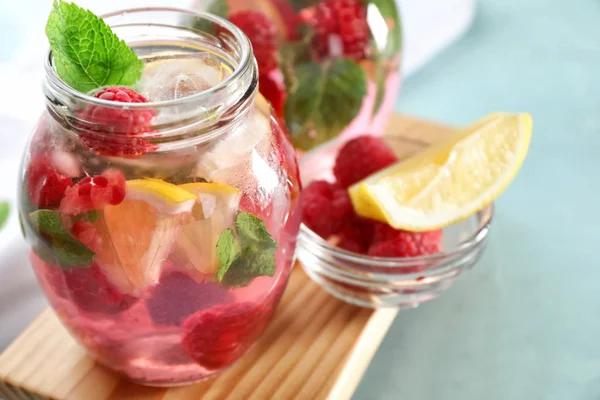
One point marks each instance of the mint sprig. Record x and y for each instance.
(327, 97)
(87, 54)
(248, 256)
(4, 211)
(68, 251)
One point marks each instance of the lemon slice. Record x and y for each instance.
(450, 181)
(215, 210)
(139, 233)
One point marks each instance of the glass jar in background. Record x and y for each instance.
(163, 233)
(329, 67)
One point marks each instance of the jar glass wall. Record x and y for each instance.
(163, 232)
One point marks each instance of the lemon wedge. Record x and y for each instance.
(449, 181)
(215, 210)
(139, 233)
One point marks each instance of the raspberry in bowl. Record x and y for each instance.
(383, 232)
(330, 68)
(159, 193)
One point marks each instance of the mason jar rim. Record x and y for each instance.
(245, 62)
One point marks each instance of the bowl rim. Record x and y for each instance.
(307, 239)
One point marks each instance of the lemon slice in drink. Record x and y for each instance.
(215, 210)
(139, 233)
(449, 181)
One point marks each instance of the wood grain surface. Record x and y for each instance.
(316, 346)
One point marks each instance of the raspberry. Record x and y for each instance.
(325, 207)
(89, 289)
(86, 233)
(118, 132)
(94, 193)
(272, 87)
(389, 242)
(177, 296)
(217, 337)
(341, 29)
(357, 235)
(361, 157)
(45, 184)
(262, 33)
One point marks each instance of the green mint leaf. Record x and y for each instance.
(219, 8)
(87, 54)
(47, 222)
(252, 256)
(72, 253)
(251, 229)
(68, 251)
(291, 54)
(228, 250)
(328, 96)
(4, 211)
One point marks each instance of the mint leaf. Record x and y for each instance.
(251, 229)
(228, 250)
(87, 54)
(72, 253)
(328, 96)
(68, 251)
(47, 222)
(4, 211)
(252, 256)
(219, 8)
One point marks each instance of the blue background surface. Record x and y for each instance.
(525, 324)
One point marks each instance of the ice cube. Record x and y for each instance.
(167, 78)
(235, 149)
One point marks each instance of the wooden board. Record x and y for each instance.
(316, 346)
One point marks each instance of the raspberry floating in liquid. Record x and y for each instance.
(94, 193)
(45, 184)
(89, 289)
(217, 337)
(118, 131)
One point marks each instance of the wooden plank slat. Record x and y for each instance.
(316, 346)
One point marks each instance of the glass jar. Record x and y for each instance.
(331, 68)
(163, 233)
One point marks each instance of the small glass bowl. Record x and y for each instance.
(377, 282)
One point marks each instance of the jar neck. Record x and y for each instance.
(156, 35)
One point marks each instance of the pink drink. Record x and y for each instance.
(339, 60)
(163, 232)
